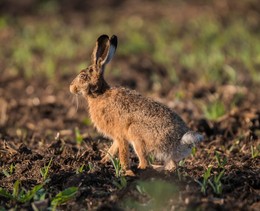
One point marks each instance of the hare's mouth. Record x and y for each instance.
(74, 89)
(78, 90)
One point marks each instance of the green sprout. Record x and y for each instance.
(204, 183)
(222, 161)
(79, 137)
(121, 183)
(84, 168)
(216, 184)
(90, 166)
(10, 172)
(117, 166)
(21, 195)
(81, 169)
(45, 171)
(151, 159)
(214, 110)
(193, 151)
(63, 197)
(255, 151)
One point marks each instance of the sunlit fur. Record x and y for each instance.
(127, 117)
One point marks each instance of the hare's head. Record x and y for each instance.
(90, 80)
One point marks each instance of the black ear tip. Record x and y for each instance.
(103, 37)
(113, 40)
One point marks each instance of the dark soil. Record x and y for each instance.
(38, 121)
(40, 125)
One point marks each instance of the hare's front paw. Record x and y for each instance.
(105, 159)
(129, 173)
(142, 165)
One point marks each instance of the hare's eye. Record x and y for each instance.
(90, 70)
(83, 76)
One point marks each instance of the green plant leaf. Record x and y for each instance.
(79, 137)
(30, 194)
(5, 193)
(16, 189)
(45, 170)
(64, 196)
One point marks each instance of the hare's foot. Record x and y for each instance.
(158, 167)
(170, 165)
(143, 165)
(129, 173)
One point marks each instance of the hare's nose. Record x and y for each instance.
(73, 89)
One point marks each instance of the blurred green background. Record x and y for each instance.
(200, 57)
(202, 41)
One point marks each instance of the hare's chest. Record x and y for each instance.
(105, 121)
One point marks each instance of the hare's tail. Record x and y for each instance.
(191, 137)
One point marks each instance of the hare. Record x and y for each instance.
(127, 117)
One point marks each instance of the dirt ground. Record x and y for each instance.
(38, 121)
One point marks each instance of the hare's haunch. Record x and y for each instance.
(127, 117)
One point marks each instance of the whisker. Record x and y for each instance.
(73, 100)
(77, 102)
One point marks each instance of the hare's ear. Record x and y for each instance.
(112, 48)
(101, 49)
(104, 50)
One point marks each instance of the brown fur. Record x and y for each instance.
(127, 117)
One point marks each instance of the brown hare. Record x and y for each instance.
(127, 117)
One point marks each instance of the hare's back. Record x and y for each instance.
(146, 110)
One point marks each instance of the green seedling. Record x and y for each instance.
(204, 183)
(151, 159)
(40, 195)
(193, 151)
(81, 169)
(22, 195)
(234, 146)
(31, 194)
(255, 151)
(87, 121)
(216, 184)
(214, 110)
(63, 197)
(121, 183)
(181, 162)
(90, 166)
(84, 168)
(222, 161)
(6, 194)
(16, 189)
(10, 172)
(117, 166)
(45, 171)
(79, 138)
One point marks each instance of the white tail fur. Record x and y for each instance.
(191, 137)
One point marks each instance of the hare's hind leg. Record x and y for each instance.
(139, 149)
(135, 138)
(111, 152)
